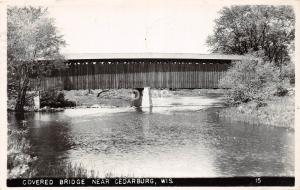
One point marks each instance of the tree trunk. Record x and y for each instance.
(21, 99)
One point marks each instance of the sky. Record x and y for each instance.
(133, 26)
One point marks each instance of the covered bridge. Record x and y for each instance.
(155, 70)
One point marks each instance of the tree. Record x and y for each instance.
(247, 29)
(31, 37)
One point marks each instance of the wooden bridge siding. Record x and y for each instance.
(137, 74)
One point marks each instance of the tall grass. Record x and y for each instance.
(68, 170)
(63, 170)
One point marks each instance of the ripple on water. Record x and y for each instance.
(177, 141)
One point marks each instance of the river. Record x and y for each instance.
(178, 137)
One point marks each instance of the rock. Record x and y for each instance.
(48, 109)
(240, 109)
(291, 91)
(96, 106)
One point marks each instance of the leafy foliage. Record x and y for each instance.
(247, 29)
(31, 36)
(254, 80)
(55, 99)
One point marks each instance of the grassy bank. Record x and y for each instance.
(279, 111)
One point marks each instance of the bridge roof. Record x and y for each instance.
(91, 56)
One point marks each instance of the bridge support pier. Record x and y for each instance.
(37, 101)
(143, 97)
(146, 98)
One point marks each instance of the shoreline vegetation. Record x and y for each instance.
(277, 111)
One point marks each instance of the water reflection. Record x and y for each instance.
(191, 141)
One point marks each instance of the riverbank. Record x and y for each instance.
(124, 97)
(101, 98)
(279, 112)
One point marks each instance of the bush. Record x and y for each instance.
(281, 91)
(254, 80)
(288, 72)
(55, 99)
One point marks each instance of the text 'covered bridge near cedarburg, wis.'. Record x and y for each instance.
(138, 71)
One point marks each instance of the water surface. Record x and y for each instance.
(184, 137)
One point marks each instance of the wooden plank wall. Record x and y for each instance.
(106, 74)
